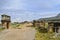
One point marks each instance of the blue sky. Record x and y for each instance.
(22, 10)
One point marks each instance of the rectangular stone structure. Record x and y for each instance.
(5, 20)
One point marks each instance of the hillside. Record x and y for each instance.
(56, 18)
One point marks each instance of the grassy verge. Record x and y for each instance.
(46, 36)
(1, 29)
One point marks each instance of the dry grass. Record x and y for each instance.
(46, 36)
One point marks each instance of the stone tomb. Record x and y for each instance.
(5, 20)
(54, 27)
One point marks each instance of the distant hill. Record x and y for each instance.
(56, 18)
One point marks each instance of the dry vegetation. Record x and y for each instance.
(46, 36)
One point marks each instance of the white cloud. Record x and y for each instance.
(30, 9)
(13, 4)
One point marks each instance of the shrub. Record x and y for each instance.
(42, 29)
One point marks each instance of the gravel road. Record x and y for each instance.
(26, 33)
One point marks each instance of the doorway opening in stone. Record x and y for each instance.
(56, 27)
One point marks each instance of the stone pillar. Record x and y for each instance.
(50, 28)
(4, 25)
(42, 24)
(46, 24)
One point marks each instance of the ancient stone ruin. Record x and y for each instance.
(5, 20)
(51, 26)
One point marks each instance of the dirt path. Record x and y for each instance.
(26, 33)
